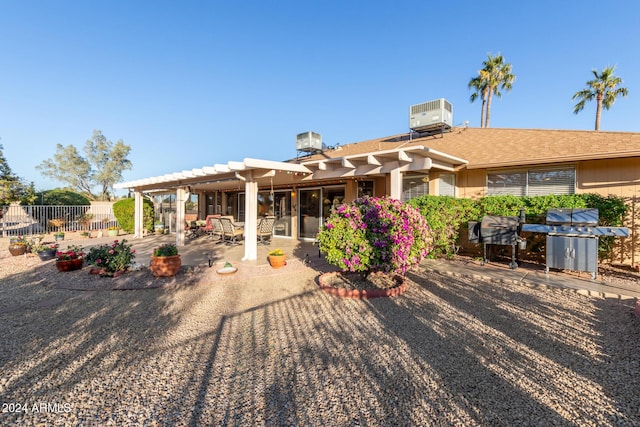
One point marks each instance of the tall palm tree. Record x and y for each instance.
(480, 90)
(495, 75)
(604, 89)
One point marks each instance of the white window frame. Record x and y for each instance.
(409, 193)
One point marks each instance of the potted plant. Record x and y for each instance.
(59, 224)
(112, 231)
(70, 259)
(85, 222)
(159, 228)
(46, 251)
(111, 260)
(165, 261)
(17, 246)
(277, 258)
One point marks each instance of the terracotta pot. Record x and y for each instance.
(47, 255)
(164, 266)
(277, 261)
(70, 265)
(17, 249)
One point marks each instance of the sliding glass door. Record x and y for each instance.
(316, 204)
(309, 217)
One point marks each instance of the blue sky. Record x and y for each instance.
(194, 83)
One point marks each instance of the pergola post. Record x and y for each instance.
(138, 218)
(395, 179)
(251, 217)
(181, 199)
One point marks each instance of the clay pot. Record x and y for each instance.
(69, 265)
(17, 249)
(277, 261)
(47, 255)
(165, 266)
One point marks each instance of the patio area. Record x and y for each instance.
(275, 350)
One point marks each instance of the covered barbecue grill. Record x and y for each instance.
(497, 230)
(572, 238)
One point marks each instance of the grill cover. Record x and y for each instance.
(499, 230)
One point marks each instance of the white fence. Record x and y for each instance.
(17, 220)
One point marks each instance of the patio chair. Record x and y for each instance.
(230, 232)
(208, 226)
(216, 230)
(265, 229)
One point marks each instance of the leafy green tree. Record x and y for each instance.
(102, 167)
(12, 188)
(61, 197)
(604, 89)
(495, 75)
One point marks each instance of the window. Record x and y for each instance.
(365, 188)
(414, 186)
(532, 182)
(447, 184)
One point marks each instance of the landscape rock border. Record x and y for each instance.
(357, 293)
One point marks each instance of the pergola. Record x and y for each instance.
(249, 172)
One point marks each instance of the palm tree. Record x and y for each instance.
(480, 90)
(604, 89)
(495, 75)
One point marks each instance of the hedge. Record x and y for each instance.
(446, 215)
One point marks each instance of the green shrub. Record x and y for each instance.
(124, 211)
(111, 258)
(168, 249)
(445, 215)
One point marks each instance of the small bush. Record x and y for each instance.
(124, 211)
(168, 249)
(111, 258)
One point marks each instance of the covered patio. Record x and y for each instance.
(247, 175)
(383, 168)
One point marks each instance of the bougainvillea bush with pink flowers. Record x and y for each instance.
(375, 234)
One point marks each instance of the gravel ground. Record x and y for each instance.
(271, 349)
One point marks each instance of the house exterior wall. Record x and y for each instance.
(621, 178)
(471, 184)
(618, 177)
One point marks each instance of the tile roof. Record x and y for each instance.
(500, 147)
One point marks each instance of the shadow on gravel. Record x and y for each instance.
(85, 350)
(618, 340)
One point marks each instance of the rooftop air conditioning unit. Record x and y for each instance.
(309, 142)
(432, 115)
